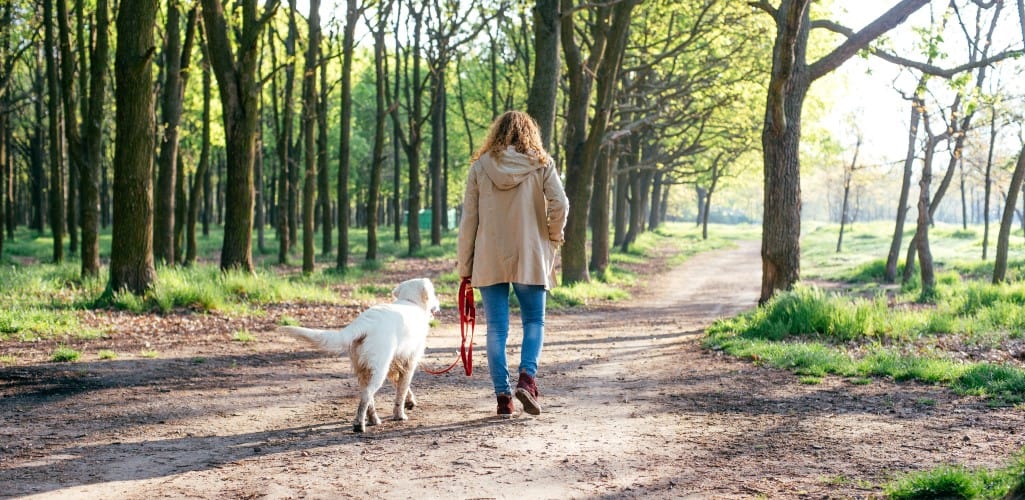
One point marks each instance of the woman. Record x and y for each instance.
(514, 212)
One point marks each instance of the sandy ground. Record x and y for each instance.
(634, 408)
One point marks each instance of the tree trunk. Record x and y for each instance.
(922, 232)
(309, 136)
(1007, 221)
(167, 162)
(847, 178)
(438, 113)
(620, 206)
(57, 220)
(323, 176)
(378, 158)
(582, 142)
(260, 195)
(600, 213)
(286, 222)
(202, 176)
(547, 67)
(988, 183)
(239, 91)
(656, 200)
(131, 257)
(890, 273)
(177, 55)
(345, 136)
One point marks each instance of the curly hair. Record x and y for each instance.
(516, 129)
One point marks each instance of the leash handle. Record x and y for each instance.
(467, 323)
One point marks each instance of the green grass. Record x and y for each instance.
(106, 354)
(65, 355)
(243, 336)
(45, 301)
(814, 334)
(951, 481)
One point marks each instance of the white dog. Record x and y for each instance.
(385, 341)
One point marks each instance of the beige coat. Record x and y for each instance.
(514, 213)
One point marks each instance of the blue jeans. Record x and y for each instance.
(532, 314)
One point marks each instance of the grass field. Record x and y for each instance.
(844, 321)
(43, 300)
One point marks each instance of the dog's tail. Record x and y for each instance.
(328, 340)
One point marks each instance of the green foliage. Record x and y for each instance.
(106, 354)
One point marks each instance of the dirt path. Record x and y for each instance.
(634, 408)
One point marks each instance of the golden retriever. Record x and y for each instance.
(385, 341)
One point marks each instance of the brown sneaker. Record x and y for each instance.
(526, 392)
(505, 405)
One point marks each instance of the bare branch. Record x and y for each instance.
(764, 5)
(861, 39)
(926, 68)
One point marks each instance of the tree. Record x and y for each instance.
(1017, 179)
(352, 13)
(86, 145)
(848, 177)
(131, 258)
(309, 134)
(177, 55)
(583, 137)
(547, 67)
(788, 86)
(378, 157)
(240, 93)
(56, 144)
(201, 177)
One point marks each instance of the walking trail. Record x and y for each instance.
(633, 407)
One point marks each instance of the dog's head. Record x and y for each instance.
(418, 291)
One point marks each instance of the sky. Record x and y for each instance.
(866, 88)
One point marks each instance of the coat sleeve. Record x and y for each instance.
(468, 226)
(558, 204)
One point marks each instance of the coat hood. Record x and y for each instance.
(510, 169)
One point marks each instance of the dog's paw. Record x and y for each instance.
(410, 404)
(400, 416)
(359, 428)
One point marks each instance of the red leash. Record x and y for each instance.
(467, 322)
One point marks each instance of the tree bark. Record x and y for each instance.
(848, 175)
(323, 176)
(345, 136)
(131, 258)
(177, 54)
(56, 193)
(600, 213)
(988, 182)
(240, 94)
(201, 179)
(1007, 221)
(583, 139)
(547, 68)
(378, 157)
(309, 136)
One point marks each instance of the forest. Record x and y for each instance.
(276, 118)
